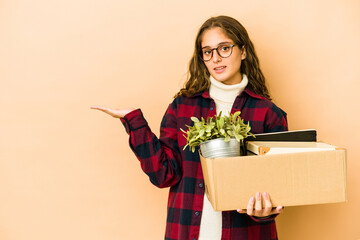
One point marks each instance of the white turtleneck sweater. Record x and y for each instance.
(224, 97)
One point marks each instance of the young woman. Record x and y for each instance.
(224, 75)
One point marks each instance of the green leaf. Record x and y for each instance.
(183, 130)
(198, 125)
(239, 137)
(208, 128)
(230, 133)
(194, 119)
(221, 122)
(236, 114)
(201, 132)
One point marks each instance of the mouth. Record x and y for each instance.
(219, 69)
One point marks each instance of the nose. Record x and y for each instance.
(216, 57)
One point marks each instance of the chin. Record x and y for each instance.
(221, 79)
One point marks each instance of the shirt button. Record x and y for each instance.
(194, 239)
(197, 213)
(201, 185)
(211, 108)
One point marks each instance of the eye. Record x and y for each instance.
(225, 48)
(206, 52)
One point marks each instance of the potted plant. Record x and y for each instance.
(218, 136)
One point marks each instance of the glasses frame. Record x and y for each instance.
(217, 50)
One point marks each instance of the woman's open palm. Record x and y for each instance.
(116, 113)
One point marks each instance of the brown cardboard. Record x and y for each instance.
(291, 179)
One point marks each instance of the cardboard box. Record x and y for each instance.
(291, 179)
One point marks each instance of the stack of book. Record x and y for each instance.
(307, 135)
(285, 142)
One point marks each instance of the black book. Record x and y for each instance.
(307, 135)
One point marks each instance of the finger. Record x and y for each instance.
(268, 204)
(277, 210)
(250, 206)
(99, 108)
(109, 111)
(241, 210)
(95, 107)
(258, 204)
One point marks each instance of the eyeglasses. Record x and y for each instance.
(223, 50)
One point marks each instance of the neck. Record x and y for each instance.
(224, 92)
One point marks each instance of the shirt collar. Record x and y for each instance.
(205, 94)
(252, 94)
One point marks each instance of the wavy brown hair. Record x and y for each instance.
(198, 74)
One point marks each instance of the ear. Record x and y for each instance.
(243, 53)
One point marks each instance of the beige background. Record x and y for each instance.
(66, 172)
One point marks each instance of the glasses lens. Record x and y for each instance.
(206, 54)
(224, 50)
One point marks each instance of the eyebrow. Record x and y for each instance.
(217, 45)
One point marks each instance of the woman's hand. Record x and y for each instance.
(116, 113)
(255, 208)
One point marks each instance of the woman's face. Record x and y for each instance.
(225, 70)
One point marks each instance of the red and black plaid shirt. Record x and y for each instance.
(168, 165)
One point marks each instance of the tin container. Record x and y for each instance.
(218, 148)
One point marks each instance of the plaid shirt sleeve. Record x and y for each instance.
(159, 158)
